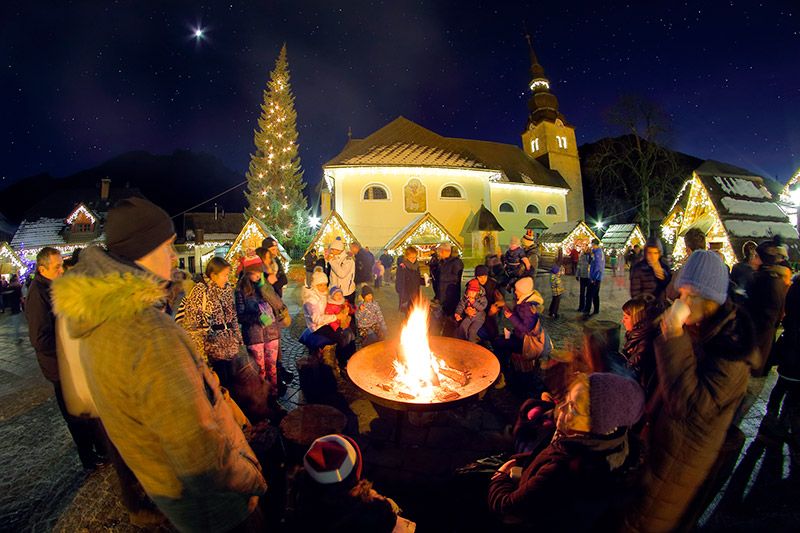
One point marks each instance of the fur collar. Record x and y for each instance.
(102, 288)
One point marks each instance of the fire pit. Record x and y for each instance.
(421, 373)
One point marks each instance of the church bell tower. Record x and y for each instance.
(550, 139)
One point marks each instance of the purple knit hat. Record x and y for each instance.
(614, 401)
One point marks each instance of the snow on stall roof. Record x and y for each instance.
(38, 233)
(749, 207)
(741, 187)
(760, 228)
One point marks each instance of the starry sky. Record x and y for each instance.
(82, 82)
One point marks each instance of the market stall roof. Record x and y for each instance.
(333, 226)
(38, 233)
(484, 220)
(535, 224)
(619, 236)
(253, 232)
(741, 203)
(424, 229)
(558, 232)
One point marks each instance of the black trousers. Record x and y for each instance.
(87, 433)
(224, 370)
(592, 298)
(583, 303)
(554, 304)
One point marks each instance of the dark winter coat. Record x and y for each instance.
(13, 298)
(644, 280)
(524, 318)
(331, 509)
(364, 261)
(310, 262)
(386, 261)
(42, 326)
(282, 279)
(640, 354)
(790, 343)
(765, 303)
(493, 295)
(449, 280)
(703, 377)
(741, 278)
(571, 485)
(407, 283)
(249, 309)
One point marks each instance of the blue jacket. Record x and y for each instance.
(598, 265)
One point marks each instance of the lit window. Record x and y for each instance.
(562, 141)
(532, 209)
(451, 191)
(506, 207)
(376, 192)
(535, 145)
(551, 210)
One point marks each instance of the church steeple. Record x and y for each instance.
(542, 105)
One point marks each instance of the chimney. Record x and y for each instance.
(215, 211)
(105, 188)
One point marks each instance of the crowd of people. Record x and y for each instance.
(176, 384)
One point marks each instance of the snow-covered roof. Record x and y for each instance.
(617, 235)
(39, 233)
(558, 232)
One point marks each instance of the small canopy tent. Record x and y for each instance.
(424, 233)
(731, 206)
(333, 226)
(622, 237)
(253, 232)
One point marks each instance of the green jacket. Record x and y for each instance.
(157, 399)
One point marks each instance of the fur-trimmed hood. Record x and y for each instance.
(101, 288)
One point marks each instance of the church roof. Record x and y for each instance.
(406, 143)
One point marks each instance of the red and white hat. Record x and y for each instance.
(252, 264)
(332, 459)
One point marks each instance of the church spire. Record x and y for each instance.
(543, 105)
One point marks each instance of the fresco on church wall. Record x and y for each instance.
(414, 196)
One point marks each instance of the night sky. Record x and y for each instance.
(85, 81)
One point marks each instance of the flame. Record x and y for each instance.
(417, 369)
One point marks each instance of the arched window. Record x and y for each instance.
(506, 207)
(452, 191)
(376, 192)
(551, 210)
(532, 209)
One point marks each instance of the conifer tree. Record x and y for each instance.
(274, 179)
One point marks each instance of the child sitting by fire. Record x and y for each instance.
(473, 304)
(336, 305)
(369, 318)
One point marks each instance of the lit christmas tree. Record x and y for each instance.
(274, 179)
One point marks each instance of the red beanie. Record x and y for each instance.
(253, 264)
(474, 285)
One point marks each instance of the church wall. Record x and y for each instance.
(521, 196)
(374, 222)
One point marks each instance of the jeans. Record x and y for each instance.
(583, 303)
(554, 304)
(592, 297)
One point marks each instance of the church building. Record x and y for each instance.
(381, 184)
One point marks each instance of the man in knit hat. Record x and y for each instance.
(703, 357)
(159, 402)
(577, 476)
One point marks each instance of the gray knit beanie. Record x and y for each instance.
(614, 401)
(706, 272)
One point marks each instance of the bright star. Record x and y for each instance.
(198, 33)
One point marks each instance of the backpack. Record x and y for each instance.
(536, 346)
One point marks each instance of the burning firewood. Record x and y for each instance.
(459, 376)
(384, 386)
(405, 396)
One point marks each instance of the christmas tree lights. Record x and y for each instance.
(274, 179)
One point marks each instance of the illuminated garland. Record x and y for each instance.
(7, 255)
(581, 232)
(698, 205)
(215, 244)
(249, 238)
(428, 227)
(81, 209)
(333, 227)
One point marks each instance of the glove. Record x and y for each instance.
(674, 318)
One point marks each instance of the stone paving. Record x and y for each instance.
(44, 488)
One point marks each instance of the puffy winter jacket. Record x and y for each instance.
(343, 271)
(160, 404)
(644, 280)
(314, 303)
